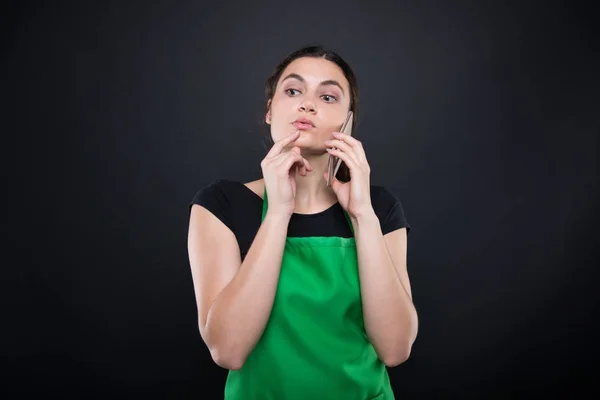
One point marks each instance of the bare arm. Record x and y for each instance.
(234, 299)
(390, 317)
(391, 320)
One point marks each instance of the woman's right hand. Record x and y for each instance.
(278, 168)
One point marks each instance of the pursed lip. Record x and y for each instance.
(304, 121)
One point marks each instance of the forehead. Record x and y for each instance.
(315, 70)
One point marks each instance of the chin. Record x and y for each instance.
(312, 133)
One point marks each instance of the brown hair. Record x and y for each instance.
(317, 51)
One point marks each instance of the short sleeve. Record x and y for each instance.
(213, 198)
(392, 212)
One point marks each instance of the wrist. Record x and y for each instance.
(278, 217)
(364, 216)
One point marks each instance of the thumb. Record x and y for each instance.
(335, 184)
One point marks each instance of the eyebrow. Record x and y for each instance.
(323, 83)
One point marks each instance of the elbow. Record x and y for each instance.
(225, 359)
(402, 352)
(221, 353)
(395, 360)
(398, 357)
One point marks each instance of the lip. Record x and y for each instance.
(303, 123)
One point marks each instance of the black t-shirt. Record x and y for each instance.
(240, 209)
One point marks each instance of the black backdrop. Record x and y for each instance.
(480, 116)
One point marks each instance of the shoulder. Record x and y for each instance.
(214, 190)
(227, 194)
(389, 209)
(226, 199)
(230, 185)
(257, 187)
(383, 198)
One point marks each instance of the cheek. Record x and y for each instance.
(283, 102)
(278, 107)
(336, 119)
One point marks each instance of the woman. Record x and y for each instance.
(302, 289)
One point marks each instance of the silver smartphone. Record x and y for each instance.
(335, 162)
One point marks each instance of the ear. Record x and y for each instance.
(268, 116)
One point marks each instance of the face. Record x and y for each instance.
(313, 89)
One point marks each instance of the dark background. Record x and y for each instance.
(481, 116)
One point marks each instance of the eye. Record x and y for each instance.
(288, 91)
(333, 98)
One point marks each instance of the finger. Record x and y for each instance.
(352, 142)
(345, 147)
(281, 143)
(305, 164)
(302, 169)
(289, 160)
(346, 138)
(335, 184)
(298, 167)
(293, 152)
(284, 158)
(344, 157)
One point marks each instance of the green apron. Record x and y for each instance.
(314, 346)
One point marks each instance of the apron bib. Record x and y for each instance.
(314, 346)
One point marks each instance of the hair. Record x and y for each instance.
(316, 51)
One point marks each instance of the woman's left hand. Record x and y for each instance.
(354, 196)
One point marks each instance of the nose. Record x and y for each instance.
(307, 106)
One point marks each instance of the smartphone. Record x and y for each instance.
(335, 162)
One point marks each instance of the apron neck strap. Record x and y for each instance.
(266, 206)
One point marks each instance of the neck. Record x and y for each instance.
(312, 193)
